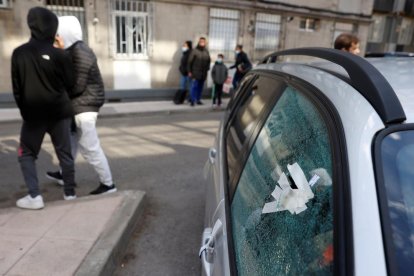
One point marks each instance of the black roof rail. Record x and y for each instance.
(364, 77)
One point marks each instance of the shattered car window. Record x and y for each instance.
(282, 210)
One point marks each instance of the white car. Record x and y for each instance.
(312, 171)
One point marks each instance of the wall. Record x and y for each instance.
(321, 37)
(99, 38)
(174, 24)
(13, 32)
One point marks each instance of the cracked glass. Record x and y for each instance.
(281, 242)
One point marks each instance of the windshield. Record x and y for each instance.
(396, 181)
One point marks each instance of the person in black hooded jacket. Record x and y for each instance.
(41, 78)
(185, 82)
(88, 95)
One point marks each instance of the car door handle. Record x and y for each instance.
(212, 153)
(207, 249)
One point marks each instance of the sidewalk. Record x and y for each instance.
(79, 237)
(127, 108)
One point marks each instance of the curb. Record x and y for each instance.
(104, 114)
(110, 111)
(107, 251)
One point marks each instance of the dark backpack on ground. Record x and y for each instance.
(180, 96)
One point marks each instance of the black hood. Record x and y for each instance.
(42, 23)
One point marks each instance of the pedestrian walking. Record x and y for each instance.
(41, 78)
(198, 66)
(88, 96)
(347, 42)
(219, 75)
(242, 65)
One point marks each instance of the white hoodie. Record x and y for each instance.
(70, 30)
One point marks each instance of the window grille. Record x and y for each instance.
(132, 25)
(224, 29)
(405, 35)
(267, 31)
(379, 29)
(308, 24)
(70, 7)
(3, 4)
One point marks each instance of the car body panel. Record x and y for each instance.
(216, 207)
(361, 123)
(401, 79)
(368, 248)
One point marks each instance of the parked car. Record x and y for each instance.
(312, 170)
(389, 54)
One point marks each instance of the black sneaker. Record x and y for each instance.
(55, 176)
(103, 189)
(69, 194)
(200, 103)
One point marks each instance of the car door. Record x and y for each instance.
(287, 203)
(246, 112)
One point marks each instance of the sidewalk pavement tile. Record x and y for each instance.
(85, 221)
(51, 257)
(54, 240)
(34, 223)
(12, 249)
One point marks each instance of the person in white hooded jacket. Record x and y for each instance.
(88, 96)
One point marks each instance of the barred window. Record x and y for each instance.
(132, 26)
(308, 24)
(405, 36)
(267, 31)
(3, 4)
(70, 7)
(224, 28)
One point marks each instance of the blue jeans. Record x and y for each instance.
(236, 79)
(196, 90)
(185, 83)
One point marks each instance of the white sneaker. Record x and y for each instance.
(69, 197)
(29, 202)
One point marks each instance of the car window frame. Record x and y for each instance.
(343, 228)
(256, 128)
(388, 240)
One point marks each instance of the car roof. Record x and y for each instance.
(398, 71)
(372, 81)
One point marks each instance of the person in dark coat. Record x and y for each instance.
(198, 66)
(219, 76)
(242, 65)
(88, 96)
(42, 76)
(185, 82)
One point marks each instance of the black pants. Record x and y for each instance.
(31, 138)
(218, 91)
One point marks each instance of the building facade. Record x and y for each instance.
(392, 28)
(138, 43)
